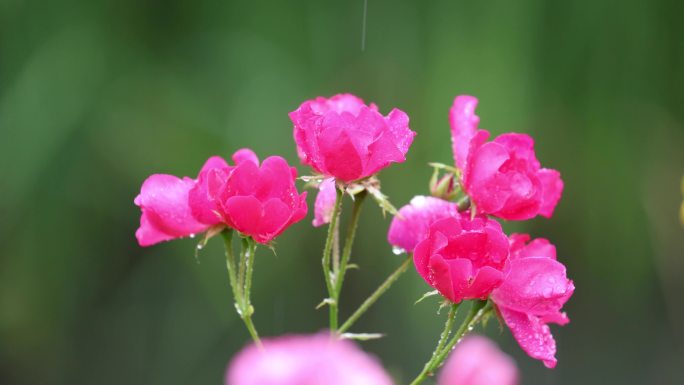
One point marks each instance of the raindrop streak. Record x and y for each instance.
(363, 26)
(396, 250)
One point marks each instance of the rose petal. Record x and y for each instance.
(552, 187)
(537, 286)
(164, 202)
(532, 334)
(464, 124)
(412, 225)
(325, 202)
(245, 155)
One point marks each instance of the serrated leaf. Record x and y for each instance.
(382, 200)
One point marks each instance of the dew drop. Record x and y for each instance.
(396, 250)
(192, 235)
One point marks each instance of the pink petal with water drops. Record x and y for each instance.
(325, 202)
(532, 334)
(166, 214)
(412, 225)
(464, 124)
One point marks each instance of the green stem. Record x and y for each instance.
(227, 235)
(478, 309)
(248, 249)
(241, 272)
(376, 294)
(477, 312)
(451, 318)
(241, 285)
(448, 325)
(247, 319)
(329, 241)
(346, 253)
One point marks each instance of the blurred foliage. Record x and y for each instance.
(96, 95)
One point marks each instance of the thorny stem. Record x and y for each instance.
(346, 252)
(241, 285)
(451, 318)
(248, 249)
(477, 311)
(448, 325)
(376, 294)
(329, 244)
(227, 235)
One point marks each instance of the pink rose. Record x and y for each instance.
(463, 258)
(412, 225)
(325, 202)
(478, 361)
(305, 360)
(342, 137)
(532, 294)
(259, 201)
(502, 177)
(166, 213)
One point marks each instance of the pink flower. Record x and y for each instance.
(478, 361)
(463, 258)
(325, 202)
(412, 225)
(502, 177)
(343, 138)
(532, 294)
(305, 360)
(166, 213)
(259, 201)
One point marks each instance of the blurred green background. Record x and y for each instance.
(96, 95)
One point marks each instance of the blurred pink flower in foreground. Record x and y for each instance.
(478, 361)
(260, 201)
(325, 202)
(346, 139)
(305, 360)
(412, 225)
(463, 258)
(532, 294)
(502, 177)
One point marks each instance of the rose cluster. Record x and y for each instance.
(457, 244)
(466, 255)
